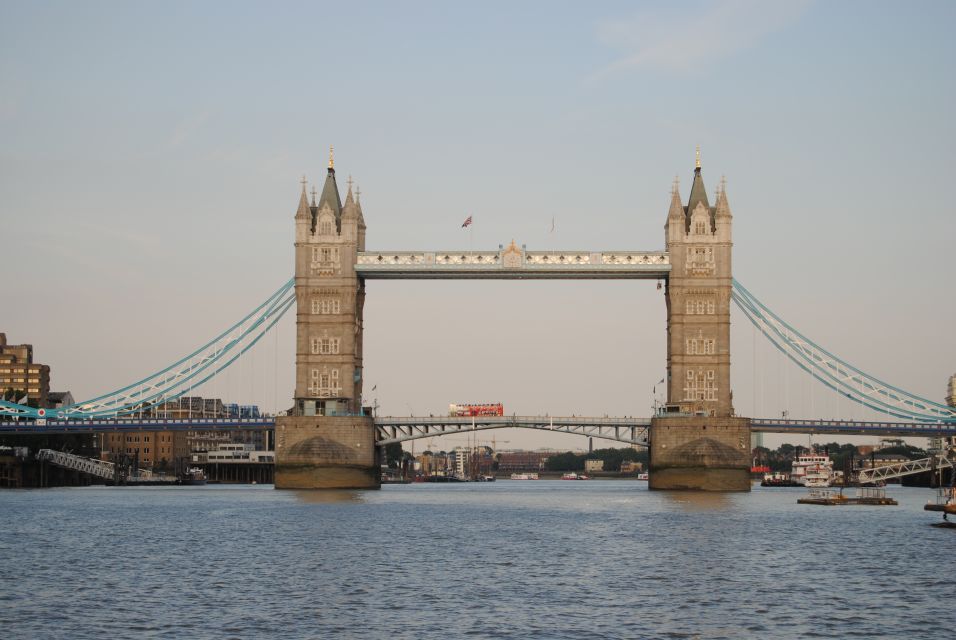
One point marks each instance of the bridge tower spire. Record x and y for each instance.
(327, 441)
(701, 444)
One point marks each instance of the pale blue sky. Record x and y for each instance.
(151, 151)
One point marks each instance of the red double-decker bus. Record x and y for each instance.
(464, 410)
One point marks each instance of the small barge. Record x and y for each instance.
(778, 480)
(865, 495)
(945, 502)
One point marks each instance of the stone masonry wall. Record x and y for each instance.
(700, 453)
(317, 452)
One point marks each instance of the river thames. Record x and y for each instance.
(545, 559)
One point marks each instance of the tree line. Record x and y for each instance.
(570, 461)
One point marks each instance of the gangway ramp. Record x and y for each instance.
(901, 469)
(98, 468)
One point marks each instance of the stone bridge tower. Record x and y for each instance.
(328, 441)
(698, 443)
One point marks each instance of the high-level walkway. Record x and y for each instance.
(525, 265)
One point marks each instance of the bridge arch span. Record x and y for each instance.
(395, 429)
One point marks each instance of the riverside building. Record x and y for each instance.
(21, 375)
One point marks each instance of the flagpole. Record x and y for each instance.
(552, 236)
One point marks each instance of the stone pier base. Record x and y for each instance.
(700, 454)
(319, 452)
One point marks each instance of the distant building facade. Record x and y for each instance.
(153, 449)
(57, 399)
(28, 380)
(161, 449)
(631, 466)
(516, 461)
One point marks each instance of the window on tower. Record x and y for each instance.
(701, 385)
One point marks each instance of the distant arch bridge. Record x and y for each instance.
(391, 429)
(401, 429)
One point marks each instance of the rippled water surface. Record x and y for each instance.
(545, 559)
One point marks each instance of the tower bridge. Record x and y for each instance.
(329, 440)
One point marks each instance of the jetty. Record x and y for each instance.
(865, 495)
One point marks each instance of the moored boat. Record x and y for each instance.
(524, 476)
(571, 475)
(812, 470)
(194, 476)
(778, 480)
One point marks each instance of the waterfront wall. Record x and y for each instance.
(326, 452)
(700, 453)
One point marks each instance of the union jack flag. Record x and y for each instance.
(466, 222)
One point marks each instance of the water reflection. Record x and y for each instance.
(329, 496)
(694, 501)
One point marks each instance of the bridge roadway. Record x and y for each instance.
(399, 429)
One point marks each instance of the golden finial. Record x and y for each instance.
(331, 157)
(698, 156)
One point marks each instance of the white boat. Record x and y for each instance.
(642, 476)
(574, 476)
(812, 470)
(524, 476)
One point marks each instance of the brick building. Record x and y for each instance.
(20, 374)
(510, 461)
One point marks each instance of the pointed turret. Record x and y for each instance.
(349, 210)
(303, 212)
(698, 193)
(361, 219)
(330, 191)
(677, 209)
(350, 219)
(722, 216)
(358, 206)
(698, 201)
(722, 207)
(330, 195)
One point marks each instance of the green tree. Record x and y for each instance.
(567, 461)
(393, 455)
